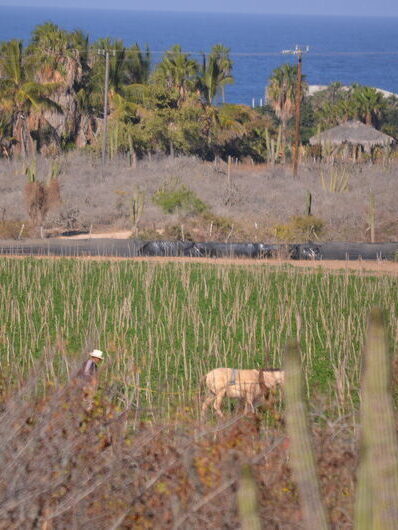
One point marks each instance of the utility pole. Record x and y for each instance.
(299, 52)
(106, 89)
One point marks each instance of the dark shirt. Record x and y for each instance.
(89, 370)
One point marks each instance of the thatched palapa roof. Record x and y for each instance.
(354, 133)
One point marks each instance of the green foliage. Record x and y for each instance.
(177, 71)
(216, 72)
(203, 311)
(337, 104)
(300, 228)
(55, 169)
(138, 65)
(31, 171)
(308, 123)
(168, 110)
(369, 104)
(281, 91)
(179, 199)
(389, 124)
(215, 317)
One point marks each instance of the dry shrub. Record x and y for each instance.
(300, 228)
(14, 229)
(64, 467)
(37, 201)
(202, 228)
(53, 193)
(40, 198)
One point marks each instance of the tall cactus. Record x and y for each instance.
(302, 457)
(372, 217)
(137, 208)
(377, 491)
(273, 147)
(247, 501)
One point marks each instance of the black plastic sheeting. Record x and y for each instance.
(134, 248)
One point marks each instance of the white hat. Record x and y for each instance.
(98, 354)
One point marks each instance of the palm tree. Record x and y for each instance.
(53, 49)
(216, 72)
(369, 104)
(345, 109)
(178, 71)
(117, 63)
(56, 55)
(21, 97)
(281, 93)
(138, 65)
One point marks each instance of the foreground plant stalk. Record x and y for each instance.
(301, 453)
(247, 501)
(377, 490)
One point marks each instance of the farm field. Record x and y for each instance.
(163, 325)
(141, 457)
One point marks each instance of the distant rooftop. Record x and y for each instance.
(354, 133)
(313, 89)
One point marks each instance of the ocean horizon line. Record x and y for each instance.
(207, 13)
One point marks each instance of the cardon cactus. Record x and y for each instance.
(247, 501)
(301, 453)
(377, 489)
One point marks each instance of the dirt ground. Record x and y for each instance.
(124, 234)
(360, 266)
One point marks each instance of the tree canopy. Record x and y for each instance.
(52, 98)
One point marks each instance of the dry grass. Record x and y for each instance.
(255, 200)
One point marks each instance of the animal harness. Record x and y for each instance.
(233, 378)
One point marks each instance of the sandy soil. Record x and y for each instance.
(125, 234)
(366, 267)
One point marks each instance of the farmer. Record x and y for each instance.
(88, 374)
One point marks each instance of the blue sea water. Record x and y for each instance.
(347, 49)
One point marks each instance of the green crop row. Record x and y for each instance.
(163, 325)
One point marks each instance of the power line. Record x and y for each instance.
(232, 54)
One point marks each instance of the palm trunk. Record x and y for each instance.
(283, 140)
(20, 134)
(368, 119)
